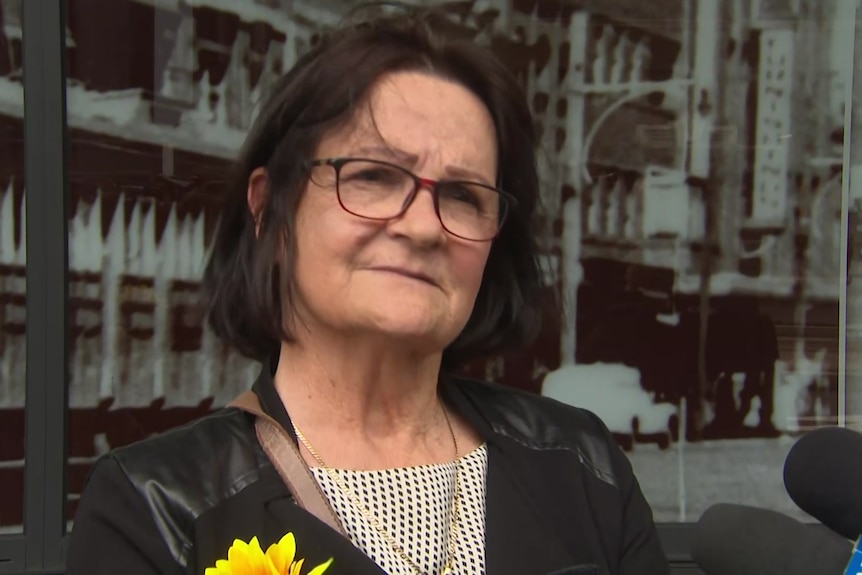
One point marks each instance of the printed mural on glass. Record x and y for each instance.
(691, 162)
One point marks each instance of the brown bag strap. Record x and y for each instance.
(285, 456)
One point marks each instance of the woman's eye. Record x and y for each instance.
(462, 194)
(374, 175)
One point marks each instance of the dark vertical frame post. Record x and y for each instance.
(45, 147)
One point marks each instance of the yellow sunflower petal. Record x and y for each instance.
(237, 555)
(248, 558)
(321, 568)
(296, 568)
(281, 554)
(260, 562)
(222, 567)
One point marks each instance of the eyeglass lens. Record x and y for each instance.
(380, 191)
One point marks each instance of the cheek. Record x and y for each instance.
(469, 269)
(327, 247)
(312, 249)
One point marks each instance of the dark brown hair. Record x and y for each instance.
(247, 280)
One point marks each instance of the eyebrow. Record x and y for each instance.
(395, 155)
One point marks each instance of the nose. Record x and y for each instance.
(419, 221)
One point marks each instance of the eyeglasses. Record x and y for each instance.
(378, 190)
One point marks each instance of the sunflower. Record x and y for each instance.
(249, 559)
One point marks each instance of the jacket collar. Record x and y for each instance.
(270, 401)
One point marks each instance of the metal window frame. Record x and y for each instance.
(40, 548)
(12, 553)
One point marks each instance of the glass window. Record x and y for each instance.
(156, 109)
(12, 270)
(691, 160)
(692, 157)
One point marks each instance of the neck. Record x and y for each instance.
(360, 386)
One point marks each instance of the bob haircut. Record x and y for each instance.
(247, 287)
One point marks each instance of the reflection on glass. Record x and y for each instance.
(691, 161)
(12, 270)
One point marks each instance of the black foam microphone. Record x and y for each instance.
(823, 476)
(741, 540)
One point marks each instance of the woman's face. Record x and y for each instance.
(357, 276)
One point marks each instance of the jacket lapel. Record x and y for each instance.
(315, 541)
(527, 529)
(529, 526)
(266, 510)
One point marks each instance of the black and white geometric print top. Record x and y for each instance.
(414, 505)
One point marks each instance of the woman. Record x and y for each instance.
(378, 235)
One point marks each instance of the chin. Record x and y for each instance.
(412, 324)
(420, 328)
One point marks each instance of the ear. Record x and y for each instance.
(256, 196)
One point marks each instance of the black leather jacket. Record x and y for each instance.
(561, 496)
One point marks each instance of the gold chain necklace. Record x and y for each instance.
(370, 518)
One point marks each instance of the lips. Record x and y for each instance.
(407, 273)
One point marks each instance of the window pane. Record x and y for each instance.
(12, 270)
(692, 160)
(155, 114)
(655, 119)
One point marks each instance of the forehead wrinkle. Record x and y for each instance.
(444, 141)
